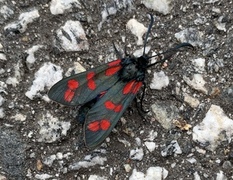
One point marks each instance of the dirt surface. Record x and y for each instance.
(22, 156)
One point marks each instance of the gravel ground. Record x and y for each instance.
(188, 130)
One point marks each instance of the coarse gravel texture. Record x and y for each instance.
(25, 152)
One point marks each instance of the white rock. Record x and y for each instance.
(43, 176)
(165, 114)
(113, 8)
(125, 142)
(96, 177)
(137, 29)
(219, 25)
(200, 150)
(216, 10)
(159, 81)
(210, 129)
(152, 173)
(156, 173)
(71, 37)
(2, 100)
(151, 136)
(192, 160)
(191, 35)
(2, 71)
(3, 87)
(139, 52)
(30, 134)
(31, 58)
(221, 176)
(49, 160)
(59, 155)
(46, 76)
(19, 117)
(150, 146)
(173, 147)
(6, 12)
(199, 64)
(137, 175)
(76, 68)
(12, 81)
(88, 161)
(196, 176)
(173, 165)
(2, 177)
(136, 154)
(138, 141)
(211, 1)
(2, 114)
(193, 102)
(105, 13)
(51, 129)
(60, 6)
(108, 139)
(127, 167)
(197, 83)
(162, 6)
(200, 20)
(2, 55)
(23, 21)
(67, 155)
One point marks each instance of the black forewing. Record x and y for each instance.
(82, 93)
(99, 112)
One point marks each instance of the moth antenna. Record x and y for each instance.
(148, 32)
(171, 51)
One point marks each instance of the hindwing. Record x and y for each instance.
(104, 115)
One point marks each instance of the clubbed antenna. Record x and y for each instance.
(169, 53)
(148, 32)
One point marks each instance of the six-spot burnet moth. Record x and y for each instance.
(106, 91)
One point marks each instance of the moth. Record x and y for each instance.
(105, 92)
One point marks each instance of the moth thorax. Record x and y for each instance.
(128, 72)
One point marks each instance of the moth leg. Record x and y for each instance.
(140, 112)
(118, 53)
(142, 97)
(139, 103)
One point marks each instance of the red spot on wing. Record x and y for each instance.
(118, 108)
(103, 124)
(90, 82)
(72, 84)
(128, 87)
(90, 75)
(132, 87)
(69, 93)
(112, 70)
(114, 63)
(137, 86)
(94, 126)
(110, 105)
